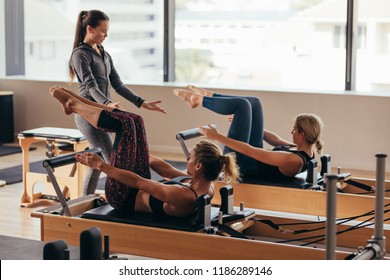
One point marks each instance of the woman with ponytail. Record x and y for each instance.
(247, 134)
(128, 185)
(94, 69)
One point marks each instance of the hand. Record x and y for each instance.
(230, 118)
(90, 159)
(209, 132)
(152, 105)
(115, 105)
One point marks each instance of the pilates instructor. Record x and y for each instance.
(95, 72)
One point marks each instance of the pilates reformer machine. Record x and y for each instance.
(223, 232)
(305, 194)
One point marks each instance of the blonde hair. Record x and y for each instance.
(214, 162)
(311, 125)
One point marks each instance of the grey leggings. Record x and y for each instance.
(247, 125)
(96, 139)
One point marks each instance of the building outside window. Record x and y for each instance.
(135, 38)
(373, 54)
(290, 44)
(265, 44)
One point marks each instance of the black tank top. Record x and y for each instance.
(266, 171)
(157, 206)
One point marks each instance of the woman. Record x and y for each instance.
(128, 186)
(246, 135)
(96, 73)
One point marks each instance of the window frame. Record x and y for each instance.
(15, 7)
(14, 37)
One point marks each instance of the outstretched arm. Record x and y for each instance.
(153, 106)
(128, 94)
(276, 158)
(164, 169)
(275, 140)
(166, 193)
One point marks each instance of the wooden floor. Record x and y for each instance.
(16, 221)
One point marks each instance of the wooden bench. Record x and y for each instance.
(54, 138)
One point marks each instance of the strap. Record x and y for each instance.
(177, 180)
(232, 232)
(359, 185)
(274, 226)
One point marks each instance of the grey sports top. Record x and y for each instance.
(96, 73)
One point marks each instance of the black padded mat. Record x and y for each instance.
(6, 150)
(14, 174)
(15, 248)
(107, 213)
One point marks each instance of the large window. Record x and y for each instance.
(373, 54)
(265, 44)
(135, 38)
(277, 44)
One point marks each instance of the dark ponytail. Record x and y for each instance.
(85, 18)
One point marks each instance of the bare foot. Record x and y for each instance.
(200, 91)
(63, 98)
(192, 99)
(71, 93)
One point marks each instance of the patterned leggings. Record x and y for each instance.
(130, 152)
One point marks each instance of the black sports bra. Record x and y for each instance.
(157, 206)
(305, 158)
(271, 172)
(303, 155)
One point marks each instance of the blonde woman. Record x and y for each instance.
(246, 135)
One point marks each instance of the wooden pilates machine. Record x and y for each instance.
(36, 186)
(355, 196)
(306, 194)
(250, 236)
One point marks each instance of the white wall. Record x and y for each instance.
(356, 127)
